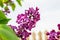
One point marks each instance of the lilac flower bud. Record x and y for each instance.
(58, 26)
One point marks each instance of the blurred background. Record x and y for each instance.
(49, 14)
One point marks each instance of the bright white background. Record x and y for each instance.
(49, 13)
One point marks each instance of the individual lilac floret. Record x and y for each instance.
(13, 27)
(58, 26)
(21, 18)
(26, 22)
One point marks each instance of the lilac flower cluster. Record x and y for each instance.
(26, 22)
(54, 35)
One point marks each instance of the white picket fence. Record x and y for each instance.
(39, 34)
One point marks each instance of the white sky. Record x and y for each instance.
(49, 13)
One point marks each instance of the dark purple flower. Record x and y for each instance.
(25, 34)
(47, 33)
(52, 35)
(26, 22)
(58, 33)
(33, 14)
(13, 27)
(58, 26)
(21, 18)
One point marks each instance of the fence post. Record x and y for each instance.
(33, 36)
(46, 37)
(39, 35)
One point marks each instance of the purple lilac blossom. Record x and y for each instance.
(54, 35)
(26, 22)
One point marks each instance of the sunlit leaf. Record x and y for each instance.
(6, 33)
(3, 18)
(2, 15)
(6, 27)
(5, 1)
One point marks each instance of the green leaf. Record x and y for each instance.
(6, 33)
(4, 21)
(5, 1)
(2, 15)
(12, 6)
(19, 2)
(1, 3)
(3, 18)
(6, 8)
(4, 26)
